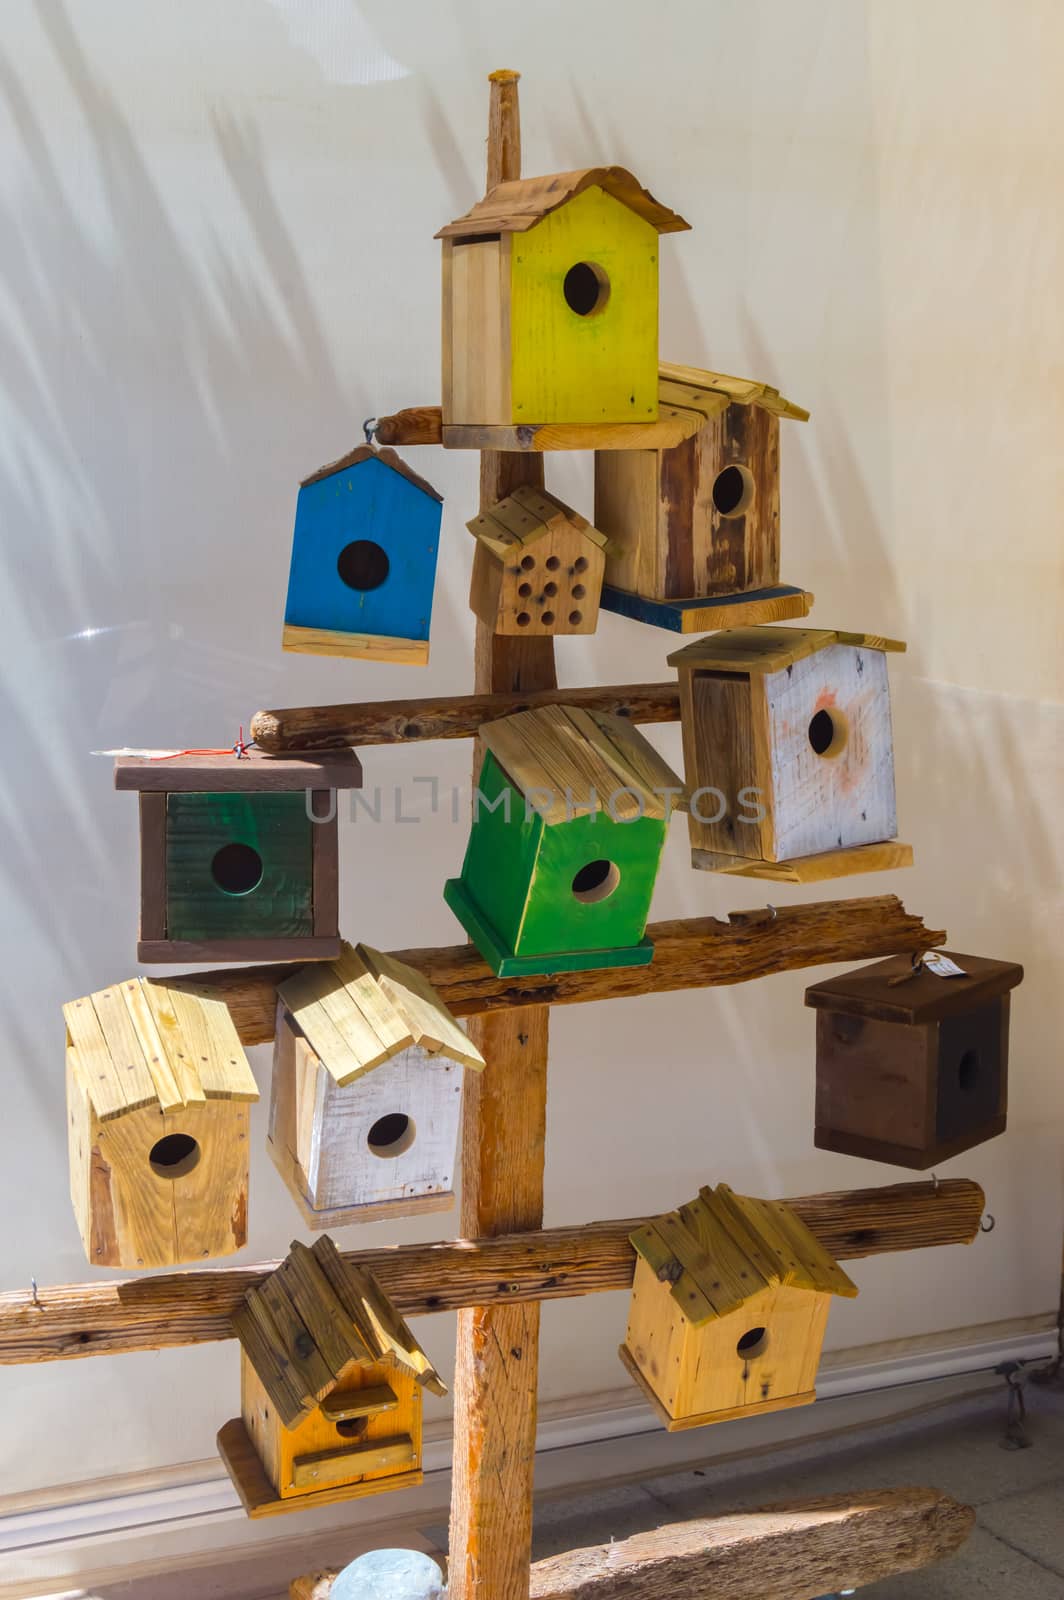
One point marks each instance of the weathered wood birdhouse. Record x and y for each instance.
(569, 824)
(158, 1089)
(330, 1380)
(912, 1068)
(788, 753)
(694, 527)
(729, 1306)
(550, 302)
(367, 1090)
(538, 567)
(238, 855)
(363, 567)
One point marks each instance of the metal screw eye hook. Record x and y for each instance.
(772, 913)
(36, 1296)
(987, 1224)
(934, 1184)
(369, 428)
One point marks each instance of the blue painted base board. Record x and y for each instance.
(702, 615)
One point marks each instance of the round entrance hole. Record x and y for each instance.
(827, 732)
(237, 868)
(596, 882)
(586, 288)
(391, 1135)
(174, 1155)
(351, 1427)
(752, 1343)
(968, 1071)
(733, 490)
(363, 565)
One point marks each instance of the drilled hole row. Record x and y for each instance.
(550, 590)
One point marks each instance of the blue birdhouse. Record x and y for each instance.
(364, 561)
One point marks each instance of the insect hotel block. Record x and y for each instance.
(538, 567)
(694, 527)
(912, 1068)
(158, 1089)
(729, 1306)
(569, 824)
(788, 753)
(238, 855)
(550, 302)
(367, 1090)
(364, 561)
(330, 1388)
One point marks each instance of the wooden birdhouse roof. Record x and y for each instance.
(721, 1249)
(307, 1325)
(369, 452)
(150, 1042)
(525, 516)
(519, 203)
(768, 649)
(256, 772)
(584, 760)
(707, 394)
(363, 1008)
(890, 991)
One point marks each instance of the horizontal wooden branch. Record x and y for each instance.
(804, 1547)
(181, 1308)
(457, 716)
(691, 953)
(415, 425)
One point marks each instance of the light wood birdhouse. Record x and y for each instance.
(367, 1090)
(537, 569)
(911, 1067)
(331, 1381)
(238, 855)
(729, 1306)
(789, 753)
(550, 302)
(158, 1089)
(694, 526)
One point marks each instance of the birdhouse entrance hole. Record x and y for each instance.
(752, 1344)
(586, 288)
(237, 868)
(827, 732)
(596, 882)
(391, 1135)
(174, 1155)
(733, 490)
(363, 565)
(351, 1427)
(968, 1071)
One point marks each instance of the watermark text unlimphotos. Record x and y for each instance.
(431, 799)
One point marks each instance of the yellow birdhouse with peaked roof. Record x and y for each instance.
(729, 1306)
(550, 302)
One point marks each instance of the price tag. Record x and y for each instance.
(942, 966)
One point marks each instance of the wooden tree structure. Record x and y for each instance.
(506, 1263)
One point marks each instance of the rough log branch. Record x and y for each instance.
(693, 953)
(445, 717)
(779, 1552)
(414, 425)
(180, 1308)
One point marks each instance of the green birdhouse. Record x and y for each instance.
(239, 854)
(569, 824)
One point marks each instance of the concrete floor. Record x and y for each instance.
(1016, 1551)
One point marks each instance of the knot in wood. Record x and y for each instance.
(670, 1271)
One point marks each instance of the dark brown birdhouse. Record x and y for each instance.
(911, 1070)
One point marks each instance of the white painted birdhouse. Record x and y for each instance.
(367, 1090)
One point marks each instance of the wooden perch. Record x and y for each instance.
(171, 1309)
(445, 717)
(805, 1547)
(695, 952)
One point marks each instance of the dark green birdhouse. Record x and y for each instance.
(239, 854)
(569, 824)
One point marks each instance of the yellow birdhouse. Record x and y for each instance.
(729, 1306)
(157, 1109)
(550, 302)
(331, 1381)
(538, 567)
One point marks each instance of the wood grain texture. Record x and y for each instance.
(197, 1307)
(257, 1494)
(780, 603)
(447, 717)
(889, 856)
(414, 425)
(803, 1547)
(257, 772)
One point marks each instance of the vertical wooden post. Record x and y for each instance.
(503, 1140)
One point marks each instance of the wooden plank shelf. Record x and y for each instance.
(316, 728)
(167, 1310)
